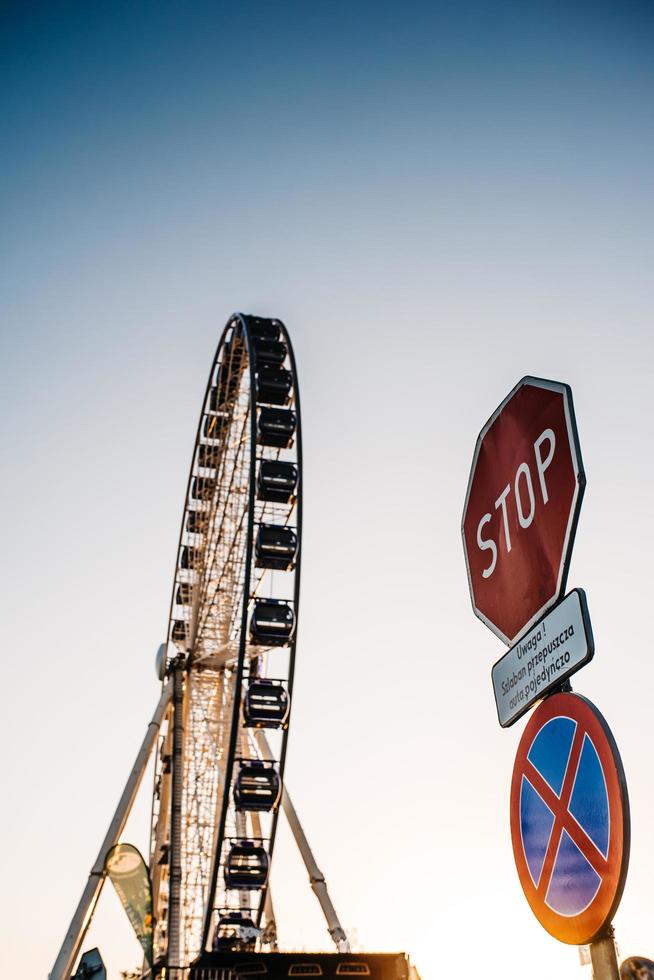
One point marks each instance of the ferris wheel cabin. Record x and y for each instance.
(277, 481)
(235, 931)
(257, 786)
(266, 704)
(246, 866)
(276, 427)
(275, 547)
(272, 623)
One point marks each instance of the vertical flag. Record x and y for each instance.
(130, 877)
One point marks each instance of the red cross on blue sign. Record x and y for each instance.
(570, 819)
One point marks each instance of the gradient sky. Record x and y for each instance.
(437, 199)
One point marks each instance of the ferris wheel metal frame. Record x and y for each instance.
(228, 624)
(212, 828)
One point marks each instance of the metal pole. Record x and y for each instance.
(603, 957)
(175, 888)
(69, 951)
(316, 877)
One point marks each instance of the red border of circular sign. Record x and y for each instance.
(591, 923)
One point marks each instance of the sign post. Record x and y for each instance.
(604, 958)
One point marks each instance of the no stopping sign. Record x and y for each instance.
(570, 819)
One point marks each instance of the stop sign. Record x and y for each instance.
(522, 506)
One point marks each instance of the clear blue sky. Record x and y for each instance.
(437, 199)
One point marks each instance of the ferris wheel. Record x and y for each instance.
(232, 627)
(221, 724)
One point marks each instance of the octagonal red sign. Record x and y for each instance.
(522, 506)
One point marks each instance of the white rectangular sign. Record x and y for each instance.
(557, 646)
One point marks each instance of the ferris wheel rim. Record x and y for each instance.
(281, 763)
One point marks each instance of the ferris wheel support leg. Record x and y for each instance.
(316, 877)
(81, 920)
